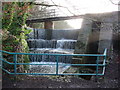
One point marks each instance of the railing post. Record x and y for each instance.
(104, 63)
(15, 62)
(1, 67)
(105, 51)
(56, 65)
(97, 62)
(1, 60)
(15, 67)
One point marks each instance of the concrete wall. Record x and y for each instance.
(94, 41)
(105, 40)
(105, 34)
(83, 36)
(82, 41)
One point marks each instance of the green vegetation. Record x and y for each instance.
(13, 28)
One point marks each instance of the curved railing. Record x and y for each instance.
(15, 63)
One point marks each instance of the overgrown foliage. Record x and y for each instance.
(13, 27)
(13, 20)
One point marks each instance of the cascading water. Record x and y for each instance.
(65, 44)
(38, 44)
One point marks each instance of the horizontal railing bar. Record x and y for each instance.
(7, 71)
(55, 64)
(6, 61)
(53, 54)
(53, 74)
(103, 70)
(79, 74)
(88, 64)
(63, 64)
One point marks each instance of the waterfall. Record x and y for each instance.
(66, 44)
(62, 46)
(38, 44)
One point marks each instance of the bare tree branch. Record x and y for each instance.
(47, 5)
(63, 7)
(113, 2)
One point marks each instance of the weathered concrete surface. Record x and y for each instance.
(106, 32)
(83, 37)
(109, 17)
(48, 25)
(116, 38)
(109, 21)
(82, 41)
(105, 40)
(94, 41)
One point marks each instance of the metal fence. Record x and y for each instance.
(15, 63)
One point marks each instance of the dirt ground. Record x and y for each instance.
(109, 80)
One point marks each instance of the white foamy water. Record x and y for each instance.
(65, 43)
(58, 50)
(50, 69)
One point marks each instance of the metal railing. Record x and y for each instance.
(15, 63)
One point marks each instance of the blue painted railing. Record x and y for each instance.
(57, 64)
